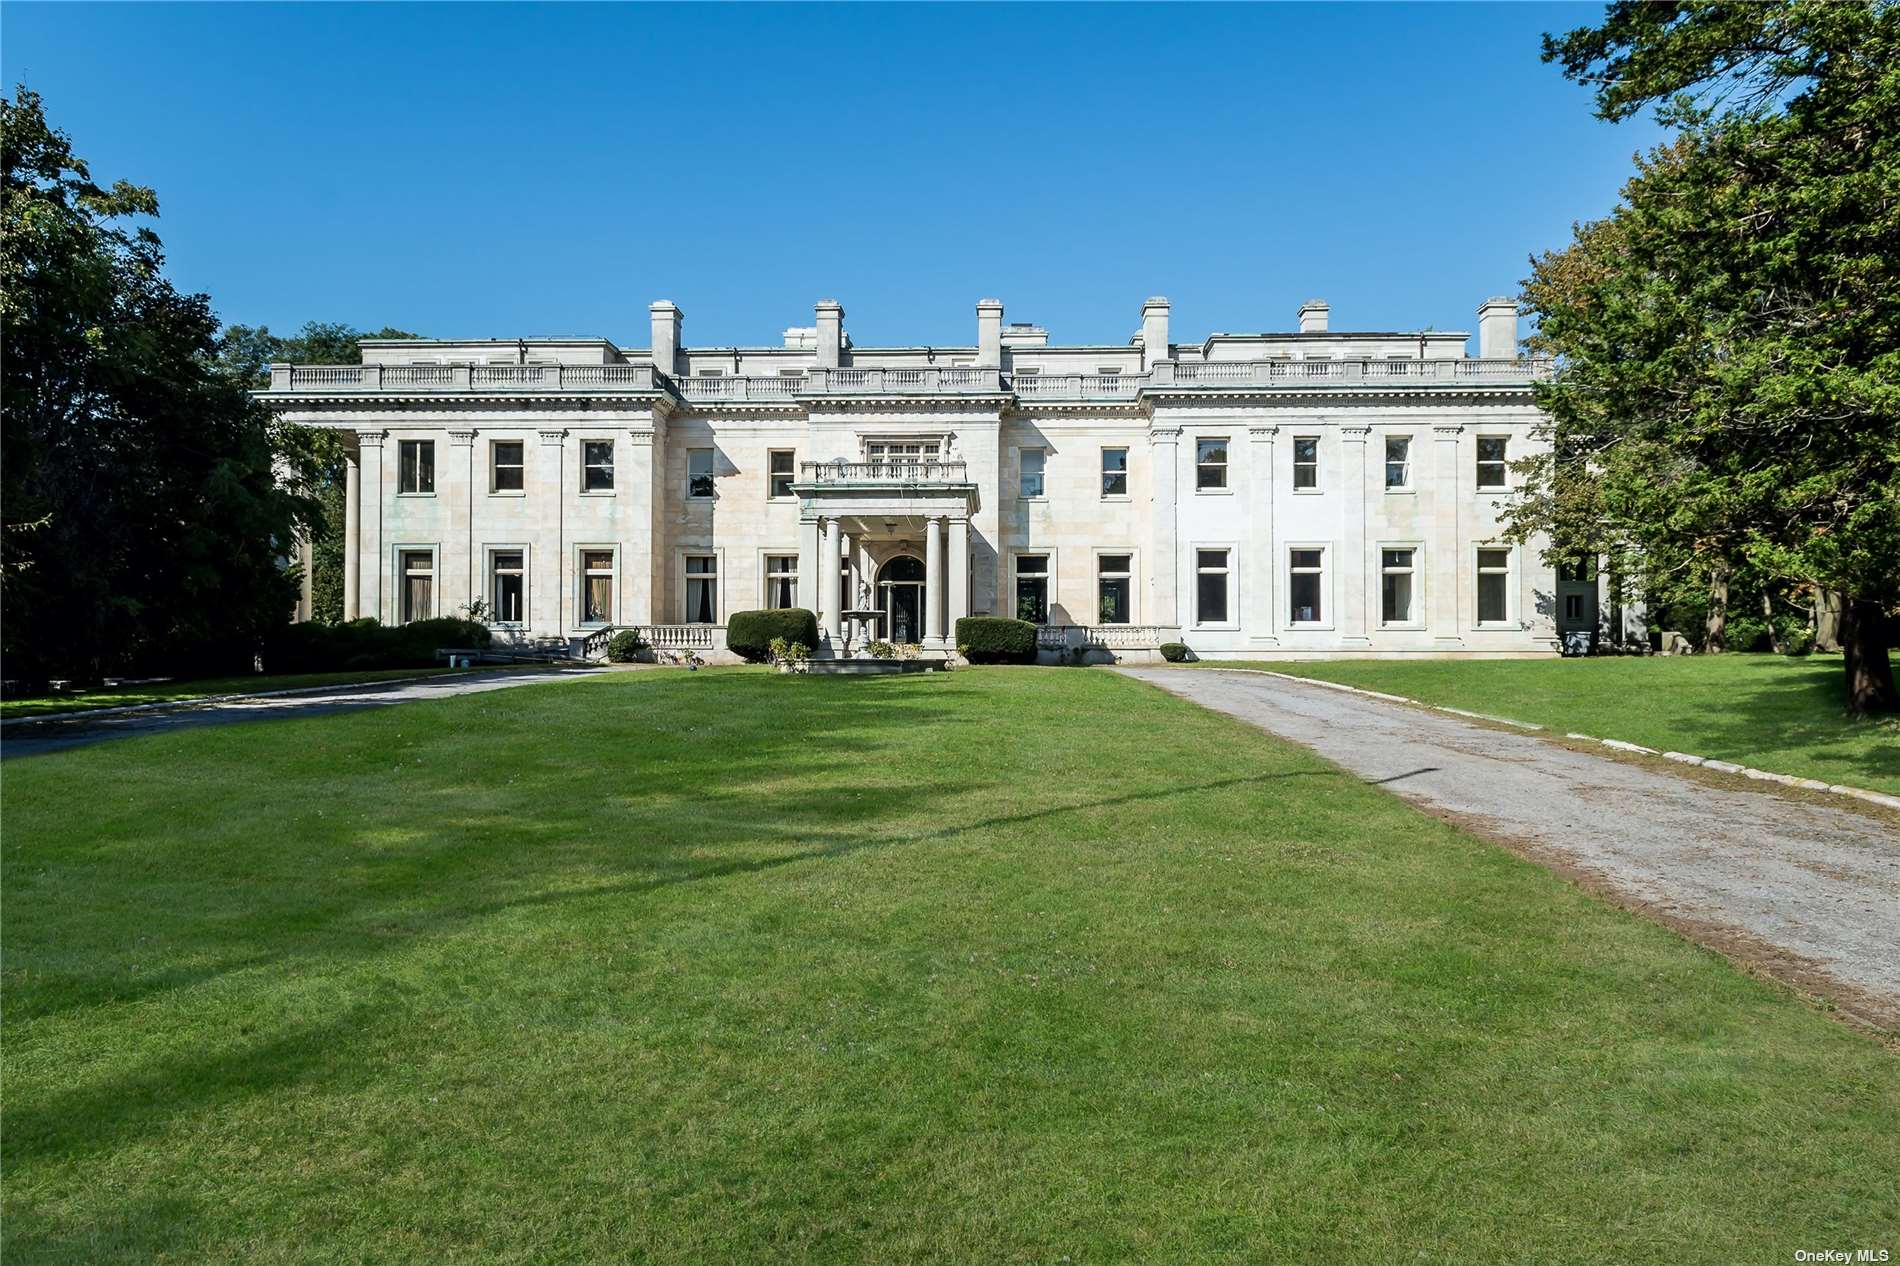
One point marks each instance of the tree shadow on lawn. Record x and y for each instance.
(1779, 708)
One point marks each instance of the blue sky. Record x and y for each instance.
(500, 170)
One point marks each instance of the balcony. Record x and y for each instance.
(885, 474)
(475, 378)
(1078, 386)
(1362, 373)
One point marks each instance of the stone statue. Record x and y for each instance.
(864, 596)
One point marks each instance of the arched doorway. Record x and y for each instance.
(900, 595)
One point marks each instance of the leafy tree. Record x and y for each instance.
(142, 521)
(1728, 338)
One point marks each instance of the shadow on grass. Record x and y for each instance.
(1777, 705)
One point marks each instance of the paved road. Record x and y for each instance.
(27, 738)
(1805, 892)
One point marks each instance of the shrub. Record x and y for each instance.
(1746, 634)
(749, 634)
(995, 639)
(310, 647)
(625, 646)
(1798, 641)
(793, 653)
(882, 650)
(1174, 652)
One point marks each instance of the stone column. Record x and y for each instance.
(1261, 546)
(933, 580)
(459, 565)
(1164, 452)
(1446, 551)
(1349, 569)
(958, 581)
(352, 533)
(369, 446)
(830, 558)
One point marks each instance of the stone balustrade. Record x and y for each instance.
(362, 378)
(1360, 372)
(1108, 637)
(885, 472)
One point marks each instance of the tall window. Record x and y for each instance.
(1398, 461)
(1111, 588)
(1114, 472)
(779, 468)
(1210, 586)
(597, 466)
(902, 452)
(1395, 586)
(1306, 574)
(1210, 464)
(702, 589)
(1032, 588)
(781, 581)
(1494, 586)
(416, 466)
(699, 472)
(1490, 461)
(1029, 482)
(505, 466)
(418, 585)
(507, 586)
(1306, 461)
(597, 586)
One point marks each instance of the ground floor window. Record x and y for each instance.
(781, 581)
(702, 589)
(1494, 586)
(1306, 574)
(507, 586)
(1032, 588)
(418, 585)
(1111, 588)
(597, 586)
(1211, 575)
(1395, 586)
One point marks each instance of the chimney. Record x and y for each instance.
(1313, 314)
(830, 332)
(1154, 332)
(1497, 329)
(666, 334)
(989, 333)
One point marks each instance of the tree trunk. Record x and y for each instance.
(1864, 636)
(1715, 635)
(1775, 643)
(1827, 619)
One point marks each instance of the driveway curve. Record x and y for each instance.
(1807, 893)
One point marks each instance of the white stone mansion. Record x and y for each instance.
(1307, 492)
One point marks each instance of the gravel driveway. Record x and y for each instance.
(29, 736)
(1804, 892)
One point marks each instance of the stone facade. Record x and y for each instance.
(1300, 493)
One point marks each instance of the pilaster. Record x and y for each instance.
(1164, 448)
(1351, 564)
(352, 533)
(1262, 549)
(552, 601)
(369, 591)
(642, 540)
(1446, 551)
(459, 565)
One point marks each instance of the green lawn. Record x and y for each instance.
(1767, 711)
(1000, 966)
(204, 688)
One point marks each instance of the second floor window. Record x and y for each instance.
(699, 472)
(1210, 464)
(1032, 462)
(1490, 461)
(1032, 588)
(1306, 461)
(1114, 472)
(597, 466)
(780, 464)
(1398, 461)
(505, 466)
(416, 466)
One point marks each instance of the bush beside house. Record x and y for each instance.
(625, 646)
(1175, 652)
(749, 634)
(995, 639)
(313, 647)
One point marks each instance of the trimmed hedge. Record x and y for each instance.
(625, 646)
(312, 647)
(1174, 652)
(995, 639)
(749, 634)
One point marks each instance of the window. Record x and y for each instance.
(418, 585)
(507, 586)
(710, 373)
(597, 466)
(702, 589)
(1111, 588)
(1583, 572)
(1395, 586)
(1306, 461)
(1210, 464)
(1114, 472)
(505, 466)
(1398, 461)
(1306, 572)
(902, 452)
(1108, 371)
(1490, 461)
(416, 466)
(1032, 588)
(1573, 606)
(1494, 585)
(699, 472)
(1029, 479)
(597, 586)
(779, 468)
(781, 581)
(1210, 586)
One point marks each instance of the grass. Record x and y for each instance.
(204, 688)
(1767, 711)
(1005, 965)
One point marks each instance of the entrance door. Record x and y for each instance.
(900, 585)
